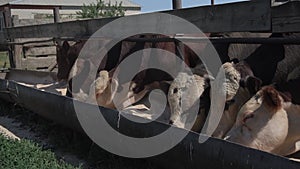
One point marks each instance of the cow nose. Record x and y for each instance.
(171, 122)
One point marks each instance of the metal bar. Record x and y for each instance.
(240, 40)
(221, 40)
(27, 42)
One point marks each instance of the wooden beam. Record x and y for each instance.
(40, 51)
(33, 6)
(286, 17)
(35, 63)
(242, 16)
(7, 16)
(233, 17)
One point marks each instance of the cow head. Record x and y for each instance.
(262, 123)
(103, 90)
(240, 86)
(61, 59)
(232, 79)
(183, 94)
(66, 57)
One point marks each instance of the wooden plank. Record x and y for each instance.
(233, 17)
(2, 38)
(242, 16)
(38, 51)
(286, 17)
(35, 63)
(18, 54)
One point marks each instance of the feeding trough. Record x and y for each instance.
(20, 86)
(39, 92)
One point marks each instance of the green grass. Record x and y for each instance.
(26, 154)
(65, 140)
(4, 60)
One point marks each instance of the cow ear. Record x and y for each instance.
(271, 97)
(253, 84)
(66, 45)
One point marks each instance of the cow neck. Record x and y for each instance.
(292, 142)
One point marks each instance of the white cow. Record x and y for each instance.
(183, 94)
(238, 91)
(268, 122)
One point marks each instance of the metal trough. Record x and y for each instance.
(188, 154)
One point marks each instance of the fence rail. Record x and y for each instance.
(255, 16)
(250, 16)
(242, 16)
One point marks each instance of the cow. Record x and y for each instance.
(66, 57)
(116, 55)
(269, 121)
(240, 77)
(103, 90)
(240, 85)
(183, 94)
(253, 74)
(291, 86)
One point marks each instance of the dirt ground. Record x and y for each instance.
(72, 147)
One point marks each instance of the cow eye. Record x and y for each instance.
(175, 90)
(257, 97)
(248, 116)
(235, 78)
(230, 101)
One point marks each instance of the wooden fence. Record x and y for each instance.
(253, 16)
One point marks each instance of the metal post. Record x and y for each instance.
(56, 14)
(177, 4)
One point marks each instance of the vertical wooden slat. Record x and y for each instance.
(7, 17)
(18, 54)
(56, 14)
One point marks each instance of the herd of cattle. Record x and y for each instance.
(262, 88)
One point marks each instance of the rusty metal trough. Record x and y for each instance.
(188, 154)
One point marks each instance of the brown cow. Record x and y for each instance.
(66, 57)
(253, 74)
(117, 54)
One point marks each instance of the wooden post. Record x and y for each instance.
(212, 2)
(18, 55)
(56, 14)
(8, 23)
(7, 16)
(11, 57)
(177, 4)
